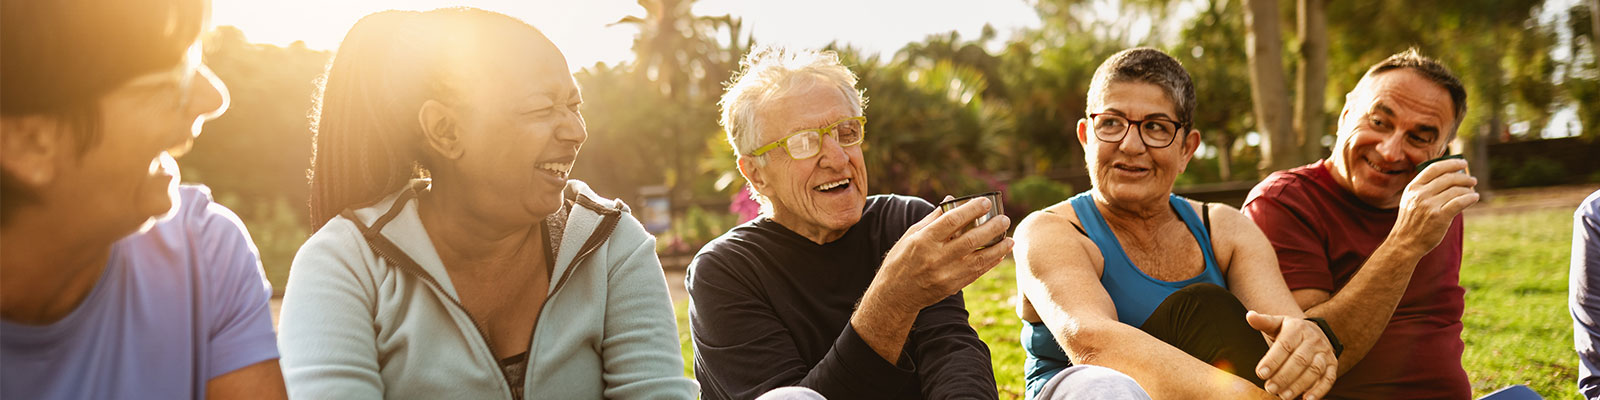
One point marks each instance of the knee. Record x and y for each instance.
(1210, 299)
(1094, 376)
(1091, 381)
(1205, 293)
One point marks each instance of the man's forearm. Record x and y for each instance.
(952, 361)
(883, 324)
(1359, 312)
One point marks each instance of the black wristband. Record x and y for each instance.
(1338, 348)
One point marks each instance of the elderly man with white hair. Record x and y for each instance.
(849, 295)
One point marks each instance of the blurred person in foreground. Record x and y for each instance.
(1373, 244)
(1132, 277)
(1584, 290)
(115, 281)
(498, 278)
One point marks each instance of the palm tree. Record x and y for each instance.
(681, 60)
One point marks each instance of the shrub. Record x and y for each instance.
(1035, 192)
(697, 226)
(1536, 172)
(277, 226)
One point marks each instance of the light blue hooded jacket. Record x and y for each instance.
(356, 326)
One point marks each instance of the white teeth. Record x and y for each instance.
(1380, 169)
(831, 185)
(558, 168)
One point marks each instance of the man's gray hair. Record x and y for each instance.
(1146, 65)
(772, 72)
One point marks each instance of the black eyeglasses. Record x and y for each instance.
(1154, 132)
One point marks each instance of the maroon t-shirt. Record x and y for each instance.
(1323, 234)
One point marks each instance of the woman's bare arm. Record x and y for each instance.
(1058, 272)
(1300, 360)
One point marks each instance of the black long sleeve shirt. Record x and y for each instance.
(769, 308)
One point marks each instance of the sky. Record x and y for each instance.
(877, 26)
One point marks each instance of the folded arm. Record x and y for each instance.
(1300, 360)
(1361, 310)
(1058, 270)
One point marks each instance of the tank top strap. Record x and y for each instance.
(1200, 227)
(1111, 249)
(1134, 294)
(1095, 226)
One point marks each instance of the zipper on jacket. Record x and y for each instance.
(391, 253)
(476, 326)
(608, 225)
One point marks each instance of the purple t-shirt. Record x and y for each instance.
(176, 306)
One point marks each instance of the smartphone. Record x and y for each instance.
(1425, 164)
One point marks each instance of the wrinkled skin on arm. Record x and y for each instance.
(1058, 274)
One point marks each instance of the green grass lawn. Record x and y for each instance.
(1517, 329)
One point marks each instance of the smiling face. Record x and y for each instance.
(1128, 171)
(1392, 122)
(819, 197)
(519, 132)
(128, 177)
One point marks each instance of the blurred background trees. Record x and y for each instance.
(957, 115)
(256, 156)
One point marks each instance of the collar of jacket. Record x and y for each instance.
(589, 222)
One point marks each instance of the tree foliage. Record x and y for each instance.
(256, 156)
(947, 114)
(261, 147)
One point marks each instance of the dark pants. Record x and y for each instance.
(1207, 322)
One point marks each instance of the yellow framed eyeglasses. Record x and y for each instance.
(807, 143)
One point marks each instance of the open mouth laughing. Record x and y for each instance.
(557, 168)
(833, 187)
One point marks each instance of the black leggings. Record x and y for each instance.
(1207, 322)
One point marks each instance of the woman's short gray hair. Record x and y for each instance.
(1146, 65)
(771, 72)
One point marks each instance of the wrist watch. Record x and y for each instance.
(1338, 348)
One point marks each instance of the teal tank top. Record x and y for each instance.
(1134, 294)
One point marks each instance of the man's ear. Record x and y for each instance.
(751, 172)
(1344, 110)
(30, 146)
(1083, 133)
(441, 128)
